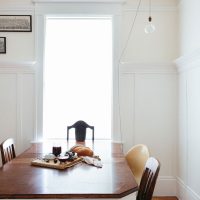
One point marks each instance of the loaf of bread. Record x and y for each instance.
(82, 150)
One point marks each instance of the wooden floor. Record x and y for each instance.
(164, 198)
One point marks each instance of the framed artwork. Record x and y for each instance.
(15, 23)
(2, 45)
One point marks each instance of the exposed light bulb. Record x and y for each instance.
(149, 28)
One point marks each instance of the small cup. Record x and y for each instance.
(56, 150)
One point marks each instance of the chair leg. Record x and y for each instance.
(67, 134)
(93, 134)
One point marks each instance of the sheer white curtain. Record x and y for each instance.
(77, 75)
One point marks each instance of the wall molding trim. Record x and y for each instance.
(165, 186)
(79, 1)
(17, 67)
(17, 7)
(144, 67)
(186, 192)
(189, 61)
(155, 8)
(17, 64)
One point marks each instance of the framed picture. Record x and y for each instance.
(15, 23)
(2, 45)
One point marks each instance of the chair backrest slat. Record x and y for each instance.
(148, 180)
(7, 150)
(80, 130)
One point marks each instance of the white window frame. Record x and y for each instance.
(42, 11)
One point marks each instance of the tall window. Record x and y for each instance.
(77, 75)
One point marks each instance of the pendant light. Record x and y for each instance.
(149, 28)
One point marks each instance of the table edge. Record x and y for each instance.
(66, 196)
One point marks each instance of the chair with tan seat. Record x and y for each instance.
(136, 158)
(148, 180)
(7, 150)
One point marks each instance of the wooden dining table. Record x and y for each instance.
(20, 180)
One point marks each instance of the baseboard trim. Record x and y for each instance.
(164, 197)
(184, 192)
(165, 186)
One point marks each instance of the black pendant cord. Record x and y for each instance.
(119, 62)
(131, 30)
(150, 18)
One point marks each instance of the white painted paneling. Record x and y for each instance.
(189, 127)
(193, 129)
(182, 135)
(127, 110)
(27, 110)
(17, 104)
(148, 95)
(8, 109)
(189, 98)
(156, 117)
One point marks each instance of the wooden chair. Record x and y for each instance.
(136, 158)
(7, 150)
(149, 178)
(80, 130)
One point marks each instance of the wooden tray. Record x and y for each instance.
(58, 165)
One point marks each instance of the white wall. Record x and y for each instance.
(20, 45)
(149, 116)
(17, 80)
(189, 97)
(148, 80)
(188, 137)
(161, 46)
(17, 103)
(189, 29)
(149, 86)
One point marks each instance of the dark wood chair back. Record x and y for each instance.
(80, 130)
(148, 180)
(7, 150)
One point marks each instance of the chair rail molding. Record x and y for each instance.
(189, 61)
(147, 67)
(17, 67)
(79, 1)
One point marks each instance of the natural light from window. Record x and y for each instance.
(77, 75)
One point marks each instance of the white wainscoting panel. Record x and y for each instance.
(8, 106)
(182, 147)
(188, 185)
(17, 103)
(148, 96)
(193, 139)
(156, 117)
(28, 125)
(127, 110)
